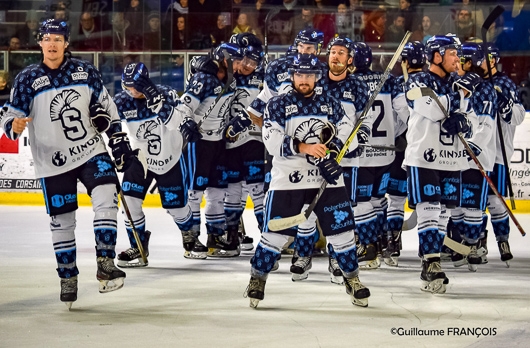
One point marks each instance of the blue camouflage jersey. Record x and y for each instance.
(61, 135)
(291, 116)
(157, 135)
(428, 145)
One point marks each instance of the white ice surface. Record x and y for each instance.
(176, 302)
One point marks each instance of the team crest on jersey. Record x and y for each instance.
(291, 109)
(144, 132)
(40, 82)
(62, 109)
(283, 77)
(79, 76)
(308, 132)
(130, 114)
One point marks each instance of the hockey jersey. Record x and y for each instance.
(61, 135)
(291, 116)
(428, 145)
(157, 135)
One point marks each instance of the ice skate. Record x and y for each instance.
(223, 246)
(193, 248)
(482, 249)
(334, 271)
(246, 242)
(432, 277)
(473, 259)
(110, 278)
(391, 253)
(300, 269)
(132, 257)
(255, 291)
(506, 254)
(458, 259)
(69, 291)
(367, 257)
(276, 263)
(359, 295)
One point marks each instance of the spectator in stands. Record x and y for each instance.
(122, 39)
(395, 31)
(312, 17)
(281, 29)
(14, 44)
(5, 88)
(180, 41)
(28, 34)
(221, 33)
(180, 6)
(465, 27)
(409, 13)
(243, 25)
(135, 14)
(88, 36)
(375, 29)
(153, 40)
(202, 17)
(424, 31)
(16, 60)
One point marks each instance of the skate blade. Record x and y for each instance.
(254, 303)
(132, 264)
(482, 251)
(436, 287)
(247, 247)
(361, 302)
(391, 261)
(369, 265)
(213, 252)
(195, 255)
(298, 277)
(275, 266)
(460, 263)
(507, 264)
(111, 285)
(68, 305)
(472, 267)
(339, 280)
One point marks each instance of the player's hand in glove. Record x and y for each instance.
(329, 168)
(363, 136)
(99, 117)
(190, 130)
(476, 150)
(144, 85)
(468, 82)
(504, 105)
(124, 155)
(237, 125)
(456, 123)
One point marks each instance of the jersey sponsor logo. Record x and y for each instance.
(60, 200)
(291, 109)
(324, 108)
(40, 82)
(332, 208)
(431, 190)
(348, 95)
(318, 90)
(255, 81)
(130, 186)
(59, 159)
(295, 177)
(130, 114)
(217, 90)
(283, 76)
(429, 155)
(79, 76)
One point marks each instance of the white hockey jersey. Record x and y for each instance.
(60, 133)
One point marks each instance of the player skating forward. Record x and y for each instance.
(413, 61)
(434, 162)
(153, 118)
(467, 219)
(65, 106)
(292, 127)
(511, 113)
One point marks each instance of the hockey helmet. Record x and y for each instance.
(132, 72)
(306, 64)
(54, 26)
(362, 58)
(414, 53)
(245, 39)
(474, 52)
(310, 36)
(233, 50)
(494, 52)
(344, 42)
(440, 43)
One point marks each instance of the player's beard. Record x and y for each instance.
(337, 68)
(304, 89)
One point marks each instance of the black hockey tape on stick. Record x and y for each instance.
(291, 221)
(426, 91)
(135, 233)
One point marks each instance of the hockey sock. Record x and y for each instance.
(483, 230)
(365, 223)
(306, 236)
(214, 208)
(457, 224)
(195, 198)
(499, 219)
(182, 217)
(396, 212)
(473, 224)
(63, 238)
(105, 206)
(430, 240)
(232, 204)
(344, 250)
(267, 252)
(380, 206)
(257, 195)
(135, 208)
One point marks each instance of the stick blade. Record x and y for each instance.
(414, 93)
(285, 223)
(411, 222)
(494, 14)
(459, 248)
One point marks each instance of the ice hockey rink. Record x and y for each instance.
(176, 302)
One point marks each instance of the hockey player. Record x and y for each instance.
(374, 163)
(206, 156)
(292, 126)
(65, 106)
(467, 219)
(153, 119)
(434, 162)
(245, 148)
(511, 113)
(413, 61)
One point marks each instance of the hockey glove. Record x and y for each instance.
(99, 117)
(123, 155)
(456, 123)
(363, 135)
(476, 150)
(237, 125)
(190, 131)
(468, 82)
(505, 106)
(329, 168)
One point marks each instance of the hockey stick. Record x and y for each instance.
(133, 228)
(273, 12)
(496, 13)
(381, 147)
(419, 92)
(291, 221)
(411, 222)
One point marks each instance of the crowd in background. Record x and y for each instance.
(159, 25)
